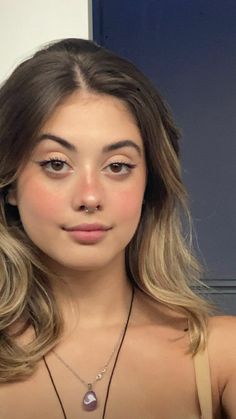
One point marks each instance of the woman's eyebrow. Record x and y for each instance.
(121, 144)
(59, 140)
(105, 149)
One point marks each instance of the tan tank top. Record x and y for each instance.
(203, 382)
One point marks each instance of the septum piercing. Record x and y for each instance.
(90, 210)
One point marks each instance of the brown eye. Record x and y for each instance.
(120, 168)
(116, 167)
(57, 165)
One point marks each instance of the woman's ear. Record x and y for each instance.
(11, 196)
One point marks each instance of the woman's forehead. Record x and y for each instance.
(91, 104)
(97, 119)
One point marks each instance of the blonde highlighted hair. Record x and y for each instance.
(159, 259)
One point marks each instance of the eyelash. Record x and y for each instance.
(44, 163)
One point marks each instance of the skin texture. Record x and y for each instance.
(49, 200)
(154, 377)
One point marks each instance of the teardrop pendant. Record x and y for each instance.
(90, 401)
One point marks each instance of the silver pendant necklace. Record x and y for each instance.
(89, 401)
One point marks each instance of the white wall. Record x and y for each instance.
(27, 24)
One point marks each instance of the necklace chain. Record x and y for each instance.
(100, 374)
(112, 372)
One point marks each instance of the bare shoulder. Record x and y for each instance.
(222, 357)
(222, 342)
(222, 333)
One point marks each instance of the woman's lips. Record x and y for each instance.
(87, 236)
(88, 233)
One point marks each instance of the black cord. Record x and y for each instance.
(59, 399)
(113, 369)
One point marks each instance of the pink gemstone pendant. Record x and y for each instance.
(90, 401)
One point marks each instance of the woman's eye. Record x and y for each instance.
(121, 168)
(55, 165)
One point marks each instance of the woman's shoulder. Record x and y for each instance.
(222, 343)
(222, 359)
(222, 330)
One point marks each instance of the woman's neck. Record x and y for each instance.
(93, 299)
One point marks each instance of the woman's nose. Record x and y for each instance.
(88, 194)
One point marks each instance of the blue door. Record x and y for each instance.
(188, 48)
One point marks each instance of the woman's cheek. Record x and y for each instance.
(129, 204)
(39, 202)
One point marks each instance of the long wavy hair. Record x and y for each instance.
(159, 259)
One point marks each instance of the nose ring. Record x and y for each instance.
(90, 209)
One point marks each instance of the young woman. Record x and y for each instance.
(97, 310)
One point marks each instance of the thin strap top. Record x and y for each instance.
(203, 383)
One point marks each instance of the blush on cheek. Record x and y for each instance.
(129, 203)
(39, 201)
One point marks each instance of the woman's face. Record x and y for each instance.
(89, 154)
